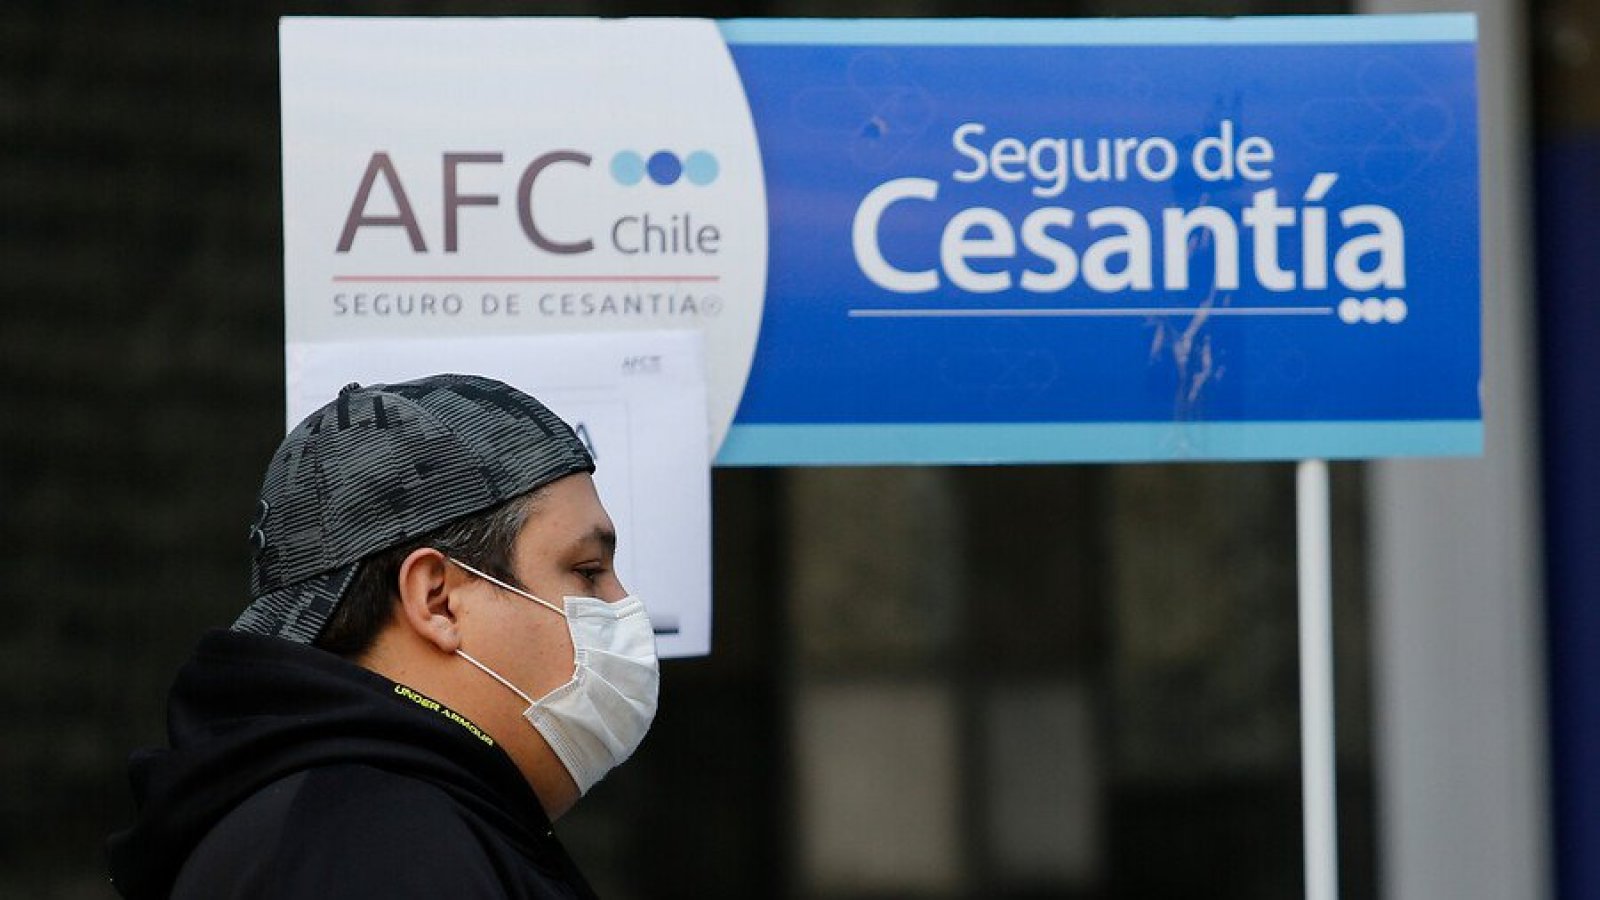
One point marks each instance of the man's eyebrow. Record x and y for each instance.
(605, 537)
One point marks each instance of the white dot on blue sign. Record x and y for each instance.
(1350, 310)
(1372, 310)
(1394, 310)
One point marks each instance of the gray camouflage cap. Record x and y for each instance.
(382, 465)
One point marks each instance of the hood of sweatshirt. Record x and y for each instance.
(247, 710)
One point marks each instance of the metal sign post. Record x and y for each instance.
(1316, 681)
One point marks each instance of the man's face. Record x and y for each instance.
(567, 548)
(568, 545)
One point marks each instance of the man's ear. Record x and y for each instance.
(426, 580)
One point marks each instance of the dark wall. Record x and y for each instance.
(142, 363)
(1567, 166)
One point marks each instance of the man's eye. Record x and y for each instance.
(589, 574)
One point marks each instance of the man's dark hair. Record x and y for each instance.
(484, 540)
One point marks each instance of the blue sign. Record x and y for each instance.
(1028, 241)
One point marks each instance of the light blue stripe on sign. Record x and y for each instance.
(821, 445)
(1375, 29)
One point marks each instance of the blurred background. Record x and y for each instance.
(1064, 681)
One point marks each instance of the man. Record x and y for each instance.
(429, 557)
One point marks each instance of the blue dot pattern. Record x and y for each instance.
(700, 167)
(627, 168)
(664, 167)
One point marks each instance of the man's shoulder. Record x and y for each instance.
(334, 796)
(343, 830)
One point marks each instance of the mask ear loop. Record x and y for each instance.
(515, 590)
(496, 676)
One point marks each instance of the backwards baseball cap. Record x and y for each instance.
(382, 465)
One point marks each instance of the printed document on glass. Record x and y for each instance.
(636, 399)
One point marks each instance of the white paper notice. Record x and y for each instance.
(637, 399)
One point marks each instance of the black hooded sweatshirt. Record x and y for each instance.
(294, 773)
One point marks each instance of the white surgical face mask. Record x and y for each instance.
(596, 720)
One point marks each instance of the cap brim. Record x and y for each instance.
(298, 612)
